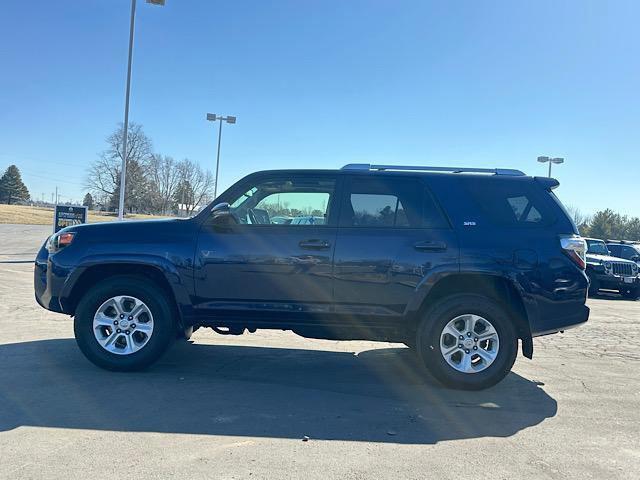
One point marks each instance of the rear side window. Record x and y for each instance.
(389, 203)
(377, 210)
(510, 202)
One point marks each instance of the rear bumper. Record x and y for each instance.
(559, 324)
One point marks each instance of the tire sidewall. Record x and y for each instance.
(429, 341)
(163, 325)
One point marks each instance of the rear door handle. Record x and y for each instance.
(430, 246)
(314, 244)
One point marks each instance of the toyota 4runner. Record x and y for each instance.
(460, 264)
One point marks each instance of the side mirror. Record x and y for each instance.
(221, 214)
(636, 258)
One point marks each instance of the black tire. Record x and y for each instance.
(437, 317)
(594, 287)
(631, 293)
(164, 327)
(410, 342)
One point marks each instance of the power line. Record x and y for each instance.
(53, 179)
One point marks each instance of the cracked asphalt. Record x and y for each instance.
(239, 407)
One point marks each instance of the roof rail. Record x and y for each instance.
(493, 171)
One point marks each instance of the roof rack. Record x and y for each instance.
(493, 171)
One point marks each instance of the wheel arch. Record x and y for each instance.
(496, 287)
(85, 278)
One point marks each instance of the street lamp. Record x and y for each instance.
(550, 160)
(212, 117)
(123, 173)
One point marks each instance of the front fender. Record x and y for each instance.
(168, 269)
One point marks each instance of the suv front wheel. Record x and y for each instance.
(124, 323)
(467, 342)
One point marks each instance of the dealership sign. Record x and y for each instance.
(66, 215)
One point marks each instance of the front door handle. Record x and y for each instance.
(314, 244)
(430, 246)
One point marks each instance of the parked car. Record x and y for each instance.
(608, 272)
(625, 249)
(281, 220)
(457, 263)
(308, 220)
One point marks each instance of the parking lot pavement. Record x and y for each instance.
(239, 407)
(19, 243)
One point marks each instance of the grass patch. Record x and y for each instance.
(25, 215)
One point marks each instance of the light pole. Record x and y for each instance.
(123, 173)
(212, 117)
(550, 161)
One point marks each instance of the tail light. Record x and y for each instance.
(575, 248)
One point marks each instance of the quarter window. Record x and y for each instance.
(524, 210)
(510, 202)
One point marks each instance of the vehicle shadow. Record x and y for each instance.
(375, 396)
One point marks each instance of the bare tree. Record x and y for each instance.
(579, 219)
(103, 177)
(164, 177)
(194, 186)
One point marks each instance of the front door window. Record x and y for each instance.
(302, 201)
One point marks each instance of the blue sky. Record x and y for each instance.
(325, 83)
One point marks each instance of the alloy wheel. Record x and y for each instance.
(469, 343)
(123, 325)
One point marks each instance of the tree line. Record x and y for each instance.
(606, 224)
(155, 183)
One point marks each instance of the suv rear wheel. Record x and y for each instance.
(124, 323)
(467, 342)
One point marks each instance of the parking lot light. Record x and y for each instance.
(212, 117)
(125, 129)
(550, 160)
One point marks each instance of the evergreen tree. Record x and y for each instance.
(88, 201)
(606, 224)
(11, 187)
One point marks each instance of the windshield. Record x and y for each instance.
(597, 247)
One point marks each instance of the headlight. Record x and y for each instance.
(607, 265)
(59, 241)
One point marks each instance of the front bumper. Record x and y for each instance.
(614, 282)
(48, 281)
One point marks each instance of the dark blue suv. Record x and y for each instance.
(457, 263)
